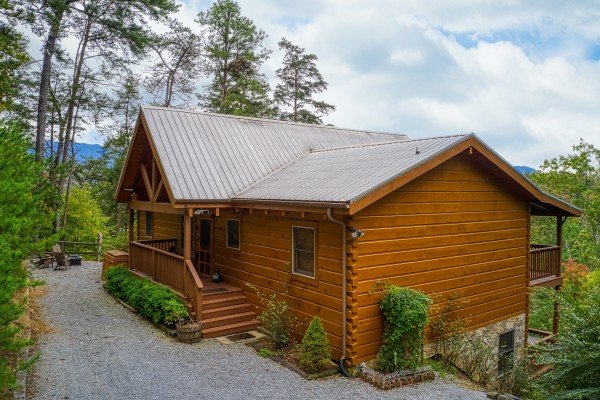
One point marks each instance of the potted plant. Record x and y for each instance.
(189, 331)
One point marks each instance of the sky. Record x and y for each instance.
(522, 75)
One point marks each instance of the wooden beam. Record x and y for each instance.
(187, 234)
(147, 183)
(165, 208)
(157, 191)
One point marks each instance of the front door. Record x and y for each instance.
(203, 231)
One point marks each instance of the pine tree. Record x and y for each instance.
(235, 54)
(315, 354)
(178, 65)
(300, 80)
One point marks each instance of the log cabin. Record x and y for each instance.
(319, 215)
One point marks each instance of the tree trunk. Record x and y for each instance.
(75, 91)
(42, 108)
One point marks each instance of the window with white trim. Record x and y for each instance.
(506, 351)
(303, 245)
(233, 233)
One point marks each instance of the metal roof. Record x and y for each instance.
(346, 174)
(209, 156)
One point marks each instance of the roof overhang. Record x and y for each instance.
(471, 145)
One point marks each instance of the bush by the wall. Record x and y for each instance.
(315, 354)
(405, 314)
(152, 301)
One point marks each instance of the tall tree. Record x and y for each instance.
(300, 80)
(178, 65)
(13, 59)
(575, 177)
(111, 24)
(235, 54)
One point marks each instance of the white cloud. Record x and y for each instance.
(516, 73)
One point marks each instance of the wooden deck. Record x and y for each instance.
(544, 269)
(223, 309)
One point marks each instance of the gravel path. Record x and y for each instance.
(99, 350)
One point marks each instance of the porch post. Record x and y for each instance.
(187, 234)
(556, 315)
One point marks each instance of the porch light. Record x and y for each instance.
(356, 233)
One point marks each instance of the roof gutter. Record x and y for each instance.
(343, 358)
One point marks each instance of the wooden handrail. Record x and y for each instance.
(174, 255)
(195, 275)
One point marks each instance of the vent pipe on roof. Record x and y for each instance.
(417, 151)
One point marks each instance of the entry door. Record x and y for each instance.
(203, 243)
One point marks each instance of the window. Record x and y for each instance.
(233, 233)
(303, 242)
(149, 223)
(506, 351)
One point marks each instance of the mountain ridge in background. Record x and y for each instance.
(524, 170)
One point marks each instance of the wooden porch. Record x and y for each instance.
(223, 309)
(544, 266)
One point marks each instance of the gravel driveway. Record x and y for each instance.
(100, 350)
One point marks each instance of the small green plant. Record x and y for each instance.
(152, 301)
(405, 314)
(315, 354)
(266, 353)
(276, 316)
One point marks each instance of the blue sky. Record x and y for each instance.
(524, 76)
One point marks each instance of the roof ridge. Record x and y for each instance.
(277, 121)
(391, 142)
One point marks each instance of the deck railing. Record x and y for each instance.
(152, 258)
(160, 265)
(545, 262)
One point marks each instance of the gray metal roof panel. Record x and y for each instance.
(209, 156)
(348, 173)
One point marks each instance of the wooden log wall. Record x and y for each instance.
(266, 247)
(455, 229)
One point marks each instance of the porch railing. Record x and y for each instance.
(152, 258)
(164, 267)
(544, 262)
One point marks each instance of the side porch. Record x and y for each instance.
(184, 264)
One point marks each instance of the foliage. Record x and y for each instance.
(276, 316)
(541, 308)
(299, 81)
(22, 217)
(315, 354)
(13, 58)
(576, 353)
(518, 379)
(152, 301)
(405, 314)
(178, 65)
(86, 219)
(266, 353)
(576, 178)
(235, 54)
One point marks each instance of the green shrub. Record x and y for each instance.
(405, 314)
(153, 301)
(315, 354)
(266, 353)
(276, 316)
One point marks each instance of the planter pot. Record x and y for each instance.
(190, 332)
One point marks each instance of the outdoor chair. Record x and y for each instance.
(62, 262)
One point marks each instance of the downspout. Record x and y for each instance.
(342, 360)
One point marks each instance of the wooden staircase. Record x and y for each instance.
(225, 310)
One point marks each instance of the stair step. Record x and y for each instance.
(228, 319)
(221, 294)
(230, 329)
(227, 310)
(223, 302)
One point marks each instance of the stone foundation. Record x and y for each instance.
(481, 347)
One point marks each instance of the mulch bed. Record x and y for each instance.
(289, 358)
